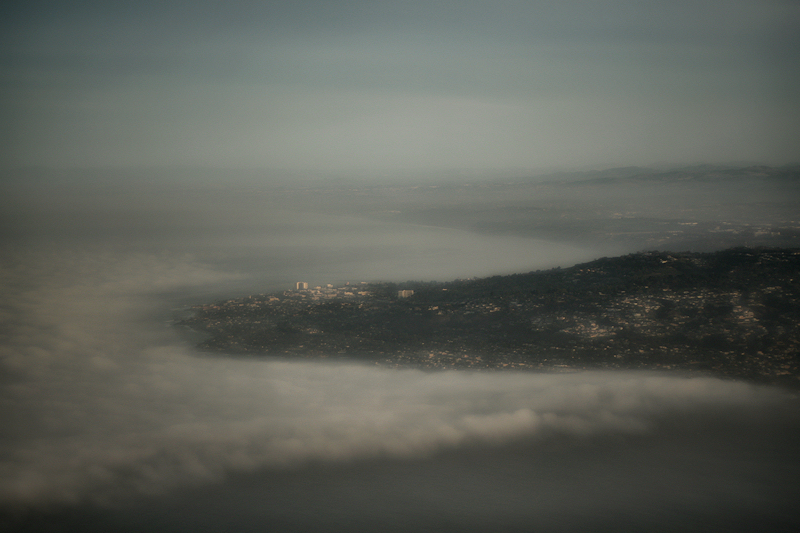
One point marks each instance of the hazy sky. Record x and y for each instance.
(373, 85)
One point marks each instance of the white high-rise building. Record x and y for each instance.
(302, 285)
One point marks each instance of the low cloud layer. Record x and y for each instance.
(102, 403)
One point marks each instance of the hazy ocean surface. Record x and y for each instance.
(112, 422)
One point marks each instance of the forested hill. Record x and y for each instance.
(737, 268)
(734, 312)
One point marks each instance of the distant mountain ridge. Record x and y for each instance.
(695, 172)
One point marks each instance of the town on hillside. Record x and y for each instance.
(732, 313)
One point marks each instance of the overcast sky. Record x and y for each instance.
(386, 86)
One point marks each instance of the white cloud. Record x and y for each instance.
(101, 401)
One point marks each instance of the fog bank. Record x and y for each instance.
(102, 403)
(111, 420)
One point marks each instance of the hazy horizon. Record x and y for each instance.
(412, 86)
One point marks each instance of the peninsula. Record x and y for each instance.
(733, 313)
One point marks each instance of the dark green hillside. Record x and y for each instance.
(735, 312)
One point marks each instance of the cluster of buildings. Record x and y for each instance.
(328, 292)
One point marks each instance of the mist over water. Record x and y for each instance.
(157, 155)
(110, 417)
